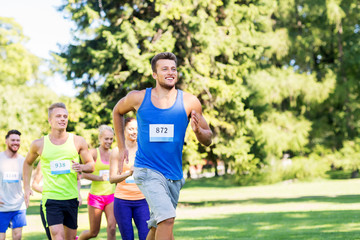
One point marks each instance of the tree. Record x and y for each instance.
(24, 99)
(116, 41)
(272, 76)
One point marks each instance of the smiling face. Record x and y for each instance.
(58, 119)
(106, 139)
(13, 143)
(131, 130)
(166, 74)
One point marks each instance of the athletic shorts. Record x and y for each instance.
(161, 194)
(100, 201)
(12, 219)
(47, 230)
(61, 212)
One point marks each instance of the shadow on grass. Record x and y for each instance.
(342, 199)
(273, 226)
(213, 182)
(41, 235)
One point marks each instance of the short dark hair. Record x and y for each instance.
(163, 55)
(129, 119)
(13, 131)
(56, 105)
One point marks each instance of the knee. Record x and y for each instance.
(17, 236)
(169, 221)
(112, 228)
(94, 233)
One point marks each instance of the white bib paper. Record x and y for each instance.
(11, 177)
(130, 179)
(161, 132)
(104, 172)
(60, 167)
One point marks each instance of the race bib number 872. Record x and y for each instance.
(161, 132)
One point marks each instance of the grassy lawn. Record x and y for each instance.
(215, 209)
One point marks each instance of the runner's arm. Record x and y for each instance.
(115, 177)
(27, 168)
(199, 125)
(91, 176)
(87, 161)
(79, 188)
(37, 179)
(128, 103)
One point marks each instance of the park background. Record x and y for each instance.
(278, 82)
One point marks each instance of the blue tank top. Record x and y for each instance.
(161, 134)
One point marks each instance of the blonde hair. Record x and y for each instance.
(104, 128)
(56, 105)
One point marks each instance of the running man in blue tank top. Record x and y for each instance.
(163, 114)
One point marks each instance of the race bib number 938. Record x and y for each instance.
(60, 167)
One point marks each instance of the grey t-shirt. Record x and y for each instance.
(11, 193)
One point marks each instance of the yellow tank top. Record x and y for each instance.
(60, 181)
(101, 187)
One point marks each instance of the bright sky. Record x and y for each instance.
(45, 27)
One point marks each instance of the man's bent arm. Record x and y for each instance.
(128, 103)
(199, 125)
(204, 135)
(88, 165)
(118, 119)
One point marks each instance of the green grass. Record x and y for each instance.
(216, 209)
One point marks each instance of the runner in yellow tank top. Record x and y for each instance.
(59, 155)
(101, 195)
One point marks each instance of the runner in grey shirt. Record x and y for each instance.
(12, 205)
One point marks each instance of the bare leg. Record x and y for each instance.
(111, 222)
(95, 221)
(70, 233)
(164, 230)
(57, 232)
(17, 233)
(2, 236)
(151, 234)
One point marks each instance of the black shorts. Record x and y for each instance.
(62, 212)
(47, 230)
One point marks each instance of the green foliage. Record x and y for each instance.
(17, 64)
(282, 132)
(273, 77)
(23, 98)
(24, 109)
(347, 158)
(114, 49)
(298, 168)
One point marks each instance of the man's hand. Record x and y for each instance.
(77, 167)
(131, 170)
(123, 156)
(1, 203)
(80, 200)
(195, 121)
(27, 194)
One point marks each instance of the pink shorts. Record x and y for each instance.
(100, 201)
